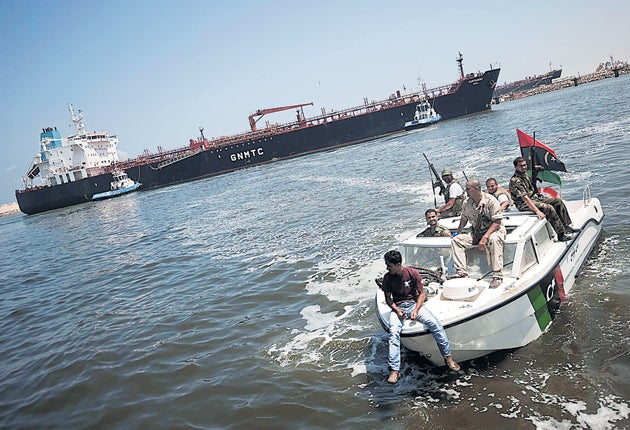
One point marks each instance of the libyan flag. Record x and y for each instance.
(538, 154)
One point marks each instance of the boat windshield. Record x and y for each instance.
(428, 257)
(436, 256)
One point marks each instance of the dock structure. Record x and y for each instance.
(569, 81)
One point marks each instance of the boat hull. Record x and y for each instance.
(41, 199)
(511, 326)
(412, 125)
(471, 95)
(115, 193)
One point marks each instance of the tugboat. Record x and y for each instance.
(425, 116)
(119, 186)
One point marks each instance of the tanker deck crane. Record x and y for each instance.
(261, 112)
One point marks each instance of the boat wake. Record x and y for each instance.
(334, 333)
(341, 340)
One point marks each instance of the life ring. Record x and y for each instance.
(548, 191)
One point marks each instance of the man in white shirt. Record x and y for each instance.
(453, 196)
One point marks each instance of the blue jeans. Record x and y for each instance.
(425, 317)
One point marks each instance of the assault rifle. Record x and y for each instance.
(438, 182)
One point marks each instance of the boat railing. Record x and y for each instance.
(398, 99)
(225, 141)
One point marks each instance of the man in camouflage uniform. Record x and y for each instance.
(526, 198)
(433, 228)
(488, 233)
(453, 196)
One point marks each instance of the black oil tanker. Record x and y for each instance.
(202, 158)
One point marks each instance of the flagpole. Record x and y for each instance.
(532, 157)
(538, 154)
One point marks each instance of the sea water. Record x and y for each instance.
(247, 300)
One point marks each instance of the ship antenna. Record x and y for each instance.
(201, 131)
(76, 119)
(460, 61)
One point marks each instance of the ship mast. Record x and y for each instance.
(460, 65)
(76, 119)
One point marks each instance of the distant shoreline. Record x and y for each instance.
(572, 81)
(9, 208)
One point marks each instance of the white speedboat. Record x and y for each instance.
(121, 184)
(425, 116)
(538, 272)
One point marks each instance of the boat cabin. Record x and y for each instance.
(527, 241)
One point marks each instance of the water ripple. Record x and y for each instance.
(246, 300)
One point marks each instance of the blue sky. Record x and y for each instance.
(153, 72)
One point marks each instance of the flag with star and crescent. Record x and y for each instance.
(538, 154)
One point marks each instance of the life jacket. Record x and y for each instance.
(456, 209)
(500, 190)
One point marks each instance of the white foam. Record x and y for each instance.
(297, 351)
(358, 369)
(348, 285)
(549, 423)
(315, 320)
(305, 346)
(611, 409)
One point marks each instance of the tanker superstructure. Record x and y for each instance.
(471, 93)
(68, 171)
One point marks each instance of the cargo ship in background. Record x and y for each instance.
(507, 90)
(70, 171)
